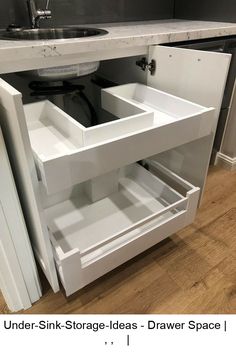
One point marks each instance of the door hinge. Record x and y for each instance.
(144, 65)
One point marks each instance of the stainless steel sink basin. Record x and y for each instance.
(51, 33)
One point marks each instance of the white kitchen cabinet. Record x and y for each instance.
(90, 205)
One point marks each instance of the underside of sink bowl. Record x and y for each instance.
(62, 72)
(51, 33)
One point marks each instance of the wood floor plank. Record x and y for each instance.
(194, 271)
(192, 259)
(219, 298)
(3, 306)
(219, 196)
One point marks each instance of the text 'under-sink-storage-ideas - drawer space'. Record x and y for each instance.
(91, 238)
(148, 122)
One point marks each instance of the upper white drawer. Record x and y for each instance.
(149, 122)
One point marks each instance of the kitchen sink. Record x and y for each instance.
(55, 73)
(51, 33)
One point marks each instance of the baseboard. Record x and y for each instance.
(226, 161)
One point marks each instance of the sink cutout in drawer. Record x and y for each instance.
(53, 132)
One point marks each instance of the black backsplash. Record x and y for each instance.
(207, 10)
(71, 12)
(7, 13)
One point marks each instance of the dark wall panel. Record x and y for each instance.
(7, 13)
(212, 10)
(71, 12)
(147, 9)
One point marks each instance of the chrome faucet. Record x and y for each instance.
(37, 15)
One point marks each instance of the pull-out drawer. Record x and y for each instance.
(91, 238)
(148, 121)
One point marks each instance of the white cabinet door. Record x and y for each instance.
(12, 120)
(19, 281)
(200, 77)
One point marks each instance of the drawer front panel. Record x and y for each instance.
(74, 275)
(100, 159)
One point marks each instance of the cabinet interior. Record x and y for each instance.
(95, 195)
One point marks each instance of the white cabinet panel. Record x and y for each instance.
(19, 280)
(13, 123)
(200, 77)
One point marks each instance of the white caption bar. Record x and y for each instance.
(117, 333)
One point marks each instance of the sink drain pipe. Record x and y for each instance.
(60, 88)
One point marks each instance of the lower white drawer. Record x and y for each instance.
(92, 238)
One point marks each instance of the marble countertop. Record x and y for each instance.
(131, 38)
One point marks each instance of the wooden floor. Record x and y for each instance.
(194, 271)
